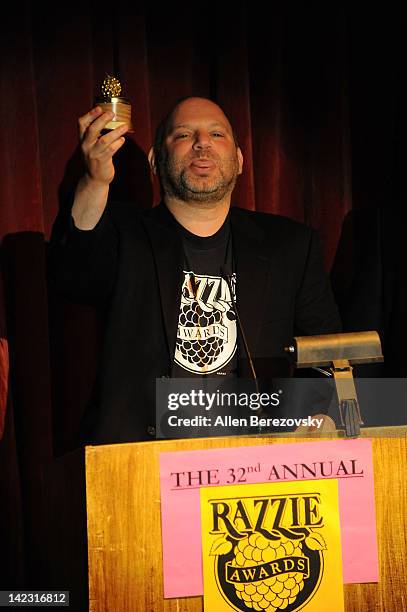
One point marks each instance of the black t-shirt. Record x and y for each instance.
(207, 332)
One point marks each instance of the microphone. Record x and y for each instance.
(227, 274)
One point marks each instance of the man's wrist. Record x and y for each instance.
(89, 203)
(93, 186)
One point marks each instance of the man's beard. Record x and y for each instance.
(202, 189)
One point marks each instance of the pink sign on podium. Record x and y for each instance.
(184, 473)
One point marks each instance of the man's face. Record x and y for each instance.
(201, 160)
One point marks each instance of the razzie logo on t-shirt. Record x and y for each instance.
(206, 337)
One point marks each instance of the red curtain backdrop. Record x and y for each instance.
(311, 94)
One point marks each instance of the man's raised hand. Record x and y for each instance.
(93, 188)
(97, 149)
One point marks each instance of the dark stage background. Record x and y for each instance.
(314, 91)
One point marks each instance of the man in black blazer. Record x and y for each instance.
(171, 314)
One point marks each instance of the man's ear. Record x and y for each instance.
(240, 160)
(151, 161)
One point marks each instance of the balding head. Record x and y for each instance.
(192, 105)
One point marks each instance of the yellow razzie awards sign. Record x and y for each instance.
(273, 546)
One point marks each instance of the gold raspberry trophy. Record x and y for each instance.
(111, 101)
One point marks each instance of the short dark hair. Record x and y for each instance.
(165, 125)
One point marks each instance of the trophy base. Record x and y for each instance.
(121, 107)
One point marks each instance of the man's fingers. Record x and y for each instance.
(105, 141)
(85, 121)
(94, 129)
(106, 154)
(92, 132)
(112, 148)
(325, 424)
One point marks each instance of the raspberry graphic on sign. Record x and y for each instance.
(206, 338)
(268, 572)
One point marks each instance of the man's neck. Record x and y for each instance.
(199, 218)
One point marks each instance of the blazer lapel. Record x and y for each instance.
(167, 250)
(252, 273)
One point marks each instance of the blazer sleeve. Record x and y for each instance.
(82, 263)
(315, 308)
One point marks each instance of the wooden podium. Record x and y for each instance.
(124, 532)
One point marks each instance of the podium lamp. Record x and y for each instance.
(339, 352)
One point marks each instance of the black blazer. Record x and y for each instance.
(133, 261)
